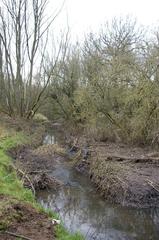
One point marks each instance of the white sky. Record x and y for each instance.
(86, 15)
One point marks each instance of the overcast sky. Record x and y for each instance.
(86, 15)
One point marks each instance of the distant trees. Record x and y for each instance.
(67, 80)
(110, 83)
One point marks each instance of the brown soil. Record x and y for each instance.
(123, 174)
(22, 219)
(34, 165)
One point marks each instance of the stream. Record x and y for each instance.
(82, 209)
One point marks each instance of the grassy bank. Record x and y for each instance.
(12, 188)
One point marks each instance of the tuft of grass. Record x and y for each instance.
(62, 234)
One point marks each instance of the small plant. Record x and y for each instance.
(40, 117)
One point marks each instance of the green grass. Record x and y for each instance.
(10, 184)
(61, 232)
(13, 140)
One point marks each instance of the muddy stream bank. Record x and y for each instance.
(82, 209)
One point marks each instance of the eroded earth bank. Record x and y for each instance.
(104, 190)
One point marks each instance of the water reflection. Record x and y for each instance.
(49, 139)
(82, 209)
(54, 136)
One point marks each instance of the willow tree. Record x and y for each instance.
(24, 27)
(110, 59)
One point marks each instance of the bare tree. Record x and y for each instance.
(24, 35)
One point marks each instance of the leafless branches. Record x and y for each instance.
(24, 32)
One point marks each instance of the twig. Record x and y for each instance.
(74, 144)
(40, 171)
(122, 181)
(23, 173)
(17, 235)
(132, 159)
(26, 176)
(152, 185)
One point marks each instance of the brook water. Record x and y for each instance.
(82, 209)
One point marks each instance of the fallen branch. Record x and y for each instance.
(40, 171)
(74, 145)
(17, 235)
(25, 176)
(119, 158)
(152, 185)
